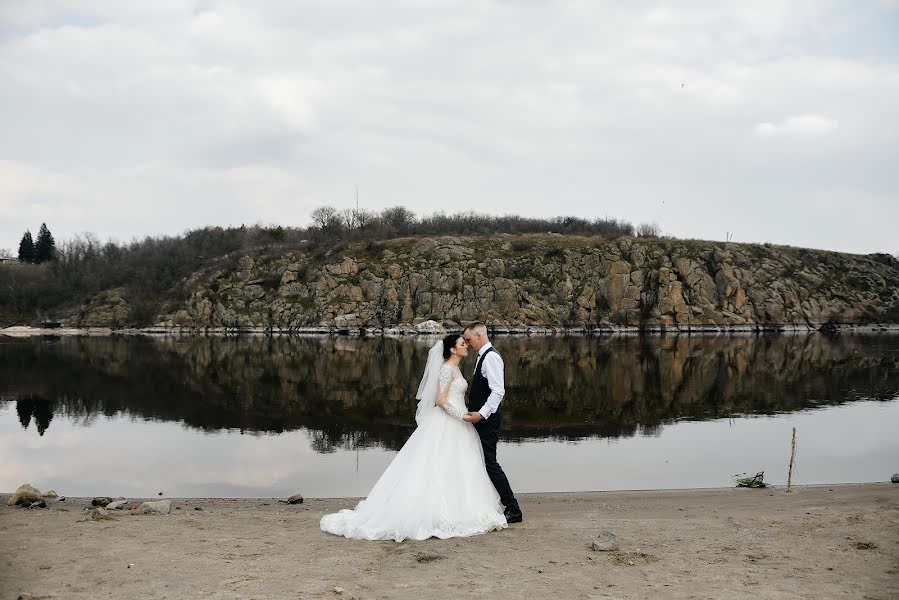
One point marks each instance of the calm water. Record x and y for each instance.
(256, 416)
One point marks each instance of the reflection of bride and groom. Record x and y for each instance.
(445, 481)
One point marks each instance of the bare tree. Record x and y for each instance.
(398, 218)
(324, 216)
(649, 230)
(365, 219)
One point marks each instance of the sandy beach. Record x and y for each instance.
(839, 541)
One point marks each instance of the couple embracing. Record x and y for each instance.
(445, 482)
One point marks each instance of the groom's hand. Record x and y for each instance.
(472, 417)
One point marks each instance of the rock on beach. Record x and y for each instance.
(97, 513)
(159, 507)
(606, 541)
(25, 495)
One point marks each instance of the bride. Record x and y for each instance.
(436, 486)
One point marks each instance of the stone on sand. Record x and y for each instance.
(159, 507)
(25, 495)
(606, 541)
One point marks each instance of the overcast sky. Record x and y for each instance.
(777, 121)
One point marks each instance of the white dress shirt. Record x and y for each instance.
(493, 369)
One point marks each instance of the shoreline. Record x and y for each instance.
(820, 541)
(4, 495)
(405, 331)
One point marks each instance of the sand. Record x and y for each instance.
(839, 541)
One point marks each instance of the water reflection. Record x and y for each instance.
(352, 393)
(37, 407)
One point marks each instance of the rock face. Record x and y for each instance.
(106, 309)
(544, 280)
(25, 495)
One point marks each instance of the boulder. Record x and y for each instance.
(159, 507)
(895, 478)
(25, 495)
(50, 495)
(246, 263)
(295, 499)
(101, 501)
(39, 504)
(606, 541)
(116, 505)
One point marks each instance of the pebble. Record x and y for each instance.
(97, 513)
(338, 589)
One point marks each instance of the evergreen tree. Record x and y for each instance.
(26, 248)
(44, 247)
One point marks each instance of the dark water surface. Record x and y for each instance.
(258, 416)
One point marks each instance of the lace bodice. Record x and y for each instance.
(451, 381)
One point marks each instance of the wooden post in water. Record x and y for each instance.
(792, 460)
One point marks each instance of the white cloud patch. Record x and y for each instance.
(802, 125)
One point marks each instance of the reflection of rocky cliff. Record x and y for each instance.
(543, 280)
(353, 391)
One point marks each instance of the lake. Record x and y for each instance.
(271, 416)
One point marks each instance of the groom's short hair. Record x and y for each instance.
(476, 326)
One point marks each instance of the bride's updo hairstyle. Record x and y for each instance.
(448, 343)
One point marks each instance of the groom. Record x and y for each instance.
(486, 392)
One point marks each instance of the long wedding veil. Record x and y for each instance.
(427, 389)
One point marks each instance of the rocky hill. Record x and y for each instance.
(532, 281)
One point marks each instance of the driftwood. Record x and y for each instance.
(753, 481)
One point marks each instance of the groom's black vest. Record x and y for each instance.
(480, 388)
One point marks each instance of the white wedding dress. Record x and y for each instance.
(435, 487)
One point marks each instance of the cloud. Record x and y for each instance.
(230, 112)
(803, 125)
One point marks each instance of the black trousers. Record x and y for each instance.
(488, 431)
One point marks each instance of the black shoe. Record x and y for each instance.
(513, 516)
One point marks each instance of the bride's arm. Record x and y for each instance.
(443, 384)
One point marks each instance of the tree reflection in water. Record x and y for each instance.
(354, 392)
